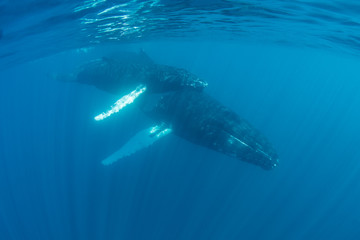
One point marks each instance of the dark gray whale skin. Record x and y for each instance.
(182, 105)
(123, 73)
(200, 119)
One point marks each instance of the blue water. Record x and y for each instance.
(291, 68)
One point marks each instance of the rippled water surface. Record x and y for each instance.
(30, 29)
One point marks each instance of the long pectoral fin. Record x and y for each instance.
(122, 102)
(141, 140)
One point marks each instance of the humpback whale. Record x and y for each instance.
(175, 100)
(127, 70)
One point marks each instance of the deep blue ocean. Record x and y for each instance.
(291, 68)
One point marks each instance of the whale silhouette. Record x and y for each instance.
(175, 99)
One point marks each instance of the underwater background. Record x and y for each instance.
(291, 68)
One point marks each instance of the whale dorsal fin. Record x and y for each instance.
(141, 140)
(145, 58)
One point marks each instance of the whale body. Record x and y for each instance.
(123, 73)
(181, 107)
(202, 120)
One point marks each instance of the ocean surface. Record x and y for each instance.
(291, 68)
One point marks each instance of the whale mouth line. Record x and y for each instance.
(248, 146)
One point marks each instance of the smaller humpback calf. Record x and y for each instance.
(175, 100)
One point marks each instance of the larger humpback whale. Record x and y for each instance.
(175, 100)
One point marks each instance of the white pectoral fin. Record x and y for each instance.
(122, 102)
(141, 140)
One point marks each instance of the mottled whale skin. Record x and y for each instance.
(182, 105)
(200, 119)
(123, 73)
